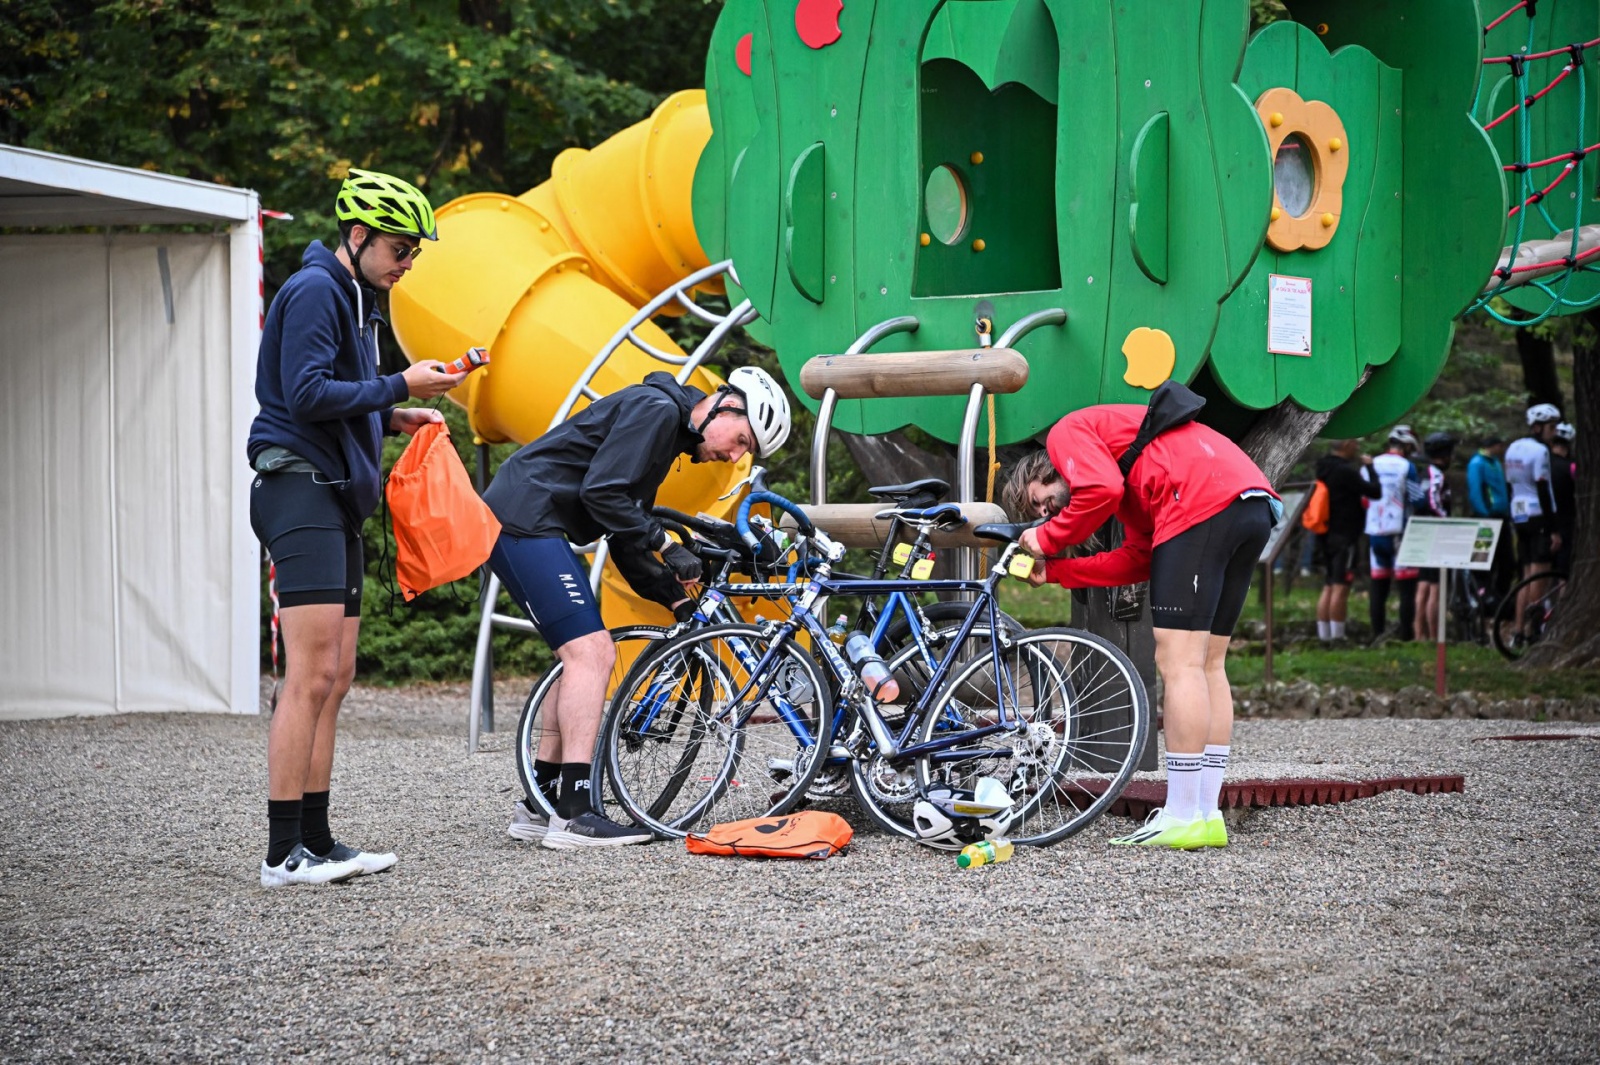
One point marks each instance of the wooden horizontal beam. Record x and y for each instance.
(856, 524)
(890, 375)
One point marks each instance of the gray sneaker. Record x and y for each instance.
(369, 861)
(527, 823)
(589, 829)
(303, 867)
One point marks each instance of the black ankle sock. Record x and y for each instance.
(283, 828)
(547, 778)
(314, 831)
(574, 790)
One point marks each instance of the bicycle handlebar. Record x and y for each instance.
(742, 523)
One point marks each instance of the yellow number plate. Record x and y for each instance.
(1021, 565)
(923, 567)
(901, 553)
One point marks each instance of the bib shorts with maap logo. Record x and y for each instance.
(1199, 579)
(544, 577)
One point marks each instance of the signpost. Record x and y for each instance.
(1446, 544)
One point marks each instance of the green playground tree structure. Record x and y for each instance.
(1150, 168)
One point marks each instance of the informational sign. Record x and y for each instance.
(1288, 315)
(1448, 543)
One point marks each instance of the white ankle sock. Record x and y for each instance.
(1336, 630)
(1183, 786)
(1213, 765)
(1322, 629)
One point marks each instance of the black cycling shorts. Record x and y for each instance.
(305, 528)
(1338, 556)
(1533, 542)
(1199, 578)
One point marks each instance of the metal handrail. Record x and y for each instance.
(481, 713)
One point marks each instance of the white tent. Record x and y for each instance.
(129, 577)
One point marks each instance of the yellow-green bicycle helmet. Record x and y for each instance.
(387, 204)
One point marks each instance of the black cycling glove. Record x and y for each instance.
(685, 565)
(684, 610)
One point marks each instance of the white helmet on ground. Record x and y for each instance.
(1566, 431)
(1543, 412)
(939, 824)
(765, 405)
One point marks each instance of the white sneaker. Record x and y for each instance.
(303, 867)
(527, 823)
(589, 829)
(369, 861)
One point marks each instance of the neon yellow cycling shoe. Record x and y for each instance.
(1159, 830)
(1216, 829)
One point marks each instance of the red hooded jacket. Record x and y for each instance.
(1185, 476)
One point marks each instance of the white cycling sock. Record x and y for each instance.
(1183, 786)
(1322, 629)
(1213, 766)
(1336, 630)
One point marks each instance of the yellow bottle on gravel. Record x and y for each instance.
(986, 852)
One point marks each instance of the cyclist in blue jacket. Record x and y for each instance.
(315, 450)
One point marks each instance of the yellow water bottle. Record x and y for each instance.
(985, 852)
(839, 631)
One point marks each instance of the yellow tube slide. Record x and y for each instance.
(545, 279)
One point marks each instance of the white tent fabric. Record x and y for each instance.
(117, 474)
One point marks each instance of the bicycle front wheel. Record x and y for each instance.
(716, 725)
(1063, 718)
(1543, 591)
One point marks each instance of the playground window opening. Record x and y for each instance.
(947, 203)
(1294, 175)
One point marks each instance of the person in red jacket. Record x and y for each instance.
(1196, 513)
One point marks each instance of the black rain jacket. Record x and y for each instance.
(597, 473)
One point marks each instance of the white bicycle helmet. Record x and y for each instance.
(1566, 431)
(765, 405)
(1543, 412)
(940, 824)
(1402, 435)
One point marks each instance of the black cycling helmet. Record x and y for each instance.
(1438, 445)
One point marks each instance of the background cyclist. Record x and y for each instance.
(1386, 521)
(316, 449)
(1435, 503)
(1340, 469)
(1563, 490)
(596, 475)
(1196, 513)
(1533, 502)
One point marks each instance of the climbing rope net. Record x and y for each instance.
(1546, 255)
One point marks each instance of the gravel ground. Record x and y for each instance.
(1401, 928)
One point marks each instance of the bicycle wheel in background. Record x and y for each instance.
(1536, 616)
(1085, 719)
(631, 640)
(693, 739)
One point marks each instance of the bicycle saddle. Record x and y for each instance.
(943, 516)
(1005, 531)
(923, 493)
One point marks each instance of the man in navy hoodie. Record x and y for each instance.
(315, 450)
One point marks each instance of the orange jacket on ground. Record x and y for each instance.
(1185, 476)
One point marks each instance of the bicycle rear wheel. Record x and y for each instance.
(693, 738)
(1077, 716)
(1537, 613)
(631, 640)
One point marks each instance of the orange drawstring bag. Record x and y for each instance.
(442, 530)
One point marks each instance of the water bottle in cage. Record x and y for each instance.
(881, 685)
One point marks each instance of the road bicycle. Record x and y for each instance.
(1537, 616)
(735, 720)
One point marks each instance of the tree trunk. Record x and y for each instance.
(1281, 435)
(891, 458)
(481, 123)
(1538, 357)
(1574, 639)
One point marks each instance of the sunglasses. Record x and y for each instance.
(402, 252)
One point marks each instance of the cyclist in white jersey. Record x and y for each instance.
(1386, 520)
(1532, 502)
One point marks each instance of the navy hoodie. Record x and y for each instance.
(317, 379)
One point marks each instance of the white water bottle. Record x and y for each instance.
(880, 683)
